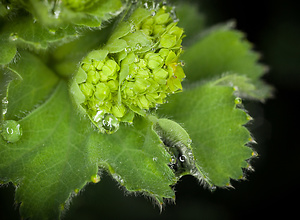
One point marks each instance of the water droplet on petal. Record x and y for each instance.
(138, 46)
(11, 131)
(132, 28)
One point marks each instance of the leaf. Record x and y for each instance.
(244, 87)
(59, 151)
(7, 51)
(57, 14)
(136, 158)
(50, 160)
(215, 125)
(30, 88)
(223, 50)
(34, 35)
(191, 20)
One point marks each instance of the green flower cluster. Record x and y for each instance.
(134, 72)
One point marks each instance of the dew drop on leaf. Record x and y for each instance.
(110, 123)
(213, 188)
(11, 131)
(13, 37)
(238, 101)
(182, 158)
(95, 178)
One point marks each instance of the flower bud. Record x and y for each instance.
(134, 72)
(154, 60)
(102, 91)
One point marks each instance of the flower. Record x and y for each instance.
(134, 72)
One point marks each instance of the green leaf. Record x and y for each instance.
(7, 51)
(57, 151)
(34, 35)
(191, 20)
(50, 160)
(223, 50)
(244, 87)
(32, 85)
(136, 158)
(56, 14)
(215, 125)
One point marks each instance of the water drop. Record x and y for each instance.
(254, 154)
(132, 28)
(13, 36)
(52, 31)
(138, 46)
(136, 60)
(95, 178)
(11, 131)
(213, 188)
(127, 49)
(182, 158)
(189, 141)
(118, 178)
(238, 101)
(154, 158)
(99, 115)
(110, 123)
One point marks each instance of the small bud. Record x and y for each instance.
(110, 68)
(93, 77)
(160, 76)
(168, 41)
(119, 110)
(161, 18)
(154, 60)
(141, 85)
(87, 89)
(102, 91)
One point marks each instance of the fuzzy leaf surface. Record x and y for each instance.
(136, 158)
(222, 50)
(32, 84)
(49, 161)
(59, 150)
(215, 125)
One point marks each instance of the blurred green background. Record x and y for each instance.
(274, 29)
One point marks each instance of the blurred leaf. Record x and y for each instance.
(191, 20)
(222, 50)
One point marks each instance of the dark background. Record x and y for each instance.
(273, 27)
